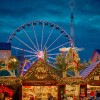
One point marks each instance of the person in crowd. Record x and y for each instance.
(97, 95)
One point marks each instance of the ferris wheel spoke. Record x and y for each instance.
(23, 49)
(48, 38)
(54, 54)
(24, 43)
(48, 61)
(55, 40)
(30, 55)
(42, 35)
(52, 64)
(31, 58)
(35, 37)
(58, 47)
(51, 58)
(29, 39)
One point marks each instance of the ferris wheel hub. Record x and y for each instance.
(40, 55)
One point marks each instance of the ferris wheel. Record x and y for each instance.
(34, 37)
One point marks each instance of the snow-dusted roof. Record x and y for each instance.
(88, 69)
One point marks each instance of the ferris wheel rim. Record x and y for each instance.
(37, 21)
(31, 22)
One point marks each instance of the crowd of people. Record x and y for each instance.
(49, 97)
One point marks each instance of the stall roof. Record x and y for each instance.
(88, 69)
(31, 73)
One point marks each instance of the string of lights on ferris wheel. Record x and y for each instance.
(36, 50)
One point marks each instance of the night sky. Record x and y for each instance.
(14, 13)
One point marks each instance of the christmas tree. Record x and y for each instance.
(72, 60)
(61, 63)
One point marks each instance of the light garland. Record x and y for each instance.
(10, 81)
(91, 76)
(41, 71)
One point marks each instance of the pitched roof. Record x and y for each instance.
(35, 70)
(88, 69)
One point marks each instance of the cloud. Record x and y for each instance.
(87, 7)
(15, 12)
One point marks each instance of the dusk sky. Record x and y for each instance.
(14, 13)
